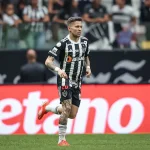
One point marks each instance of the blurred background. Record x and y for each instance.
(40, 24)
(118, 33)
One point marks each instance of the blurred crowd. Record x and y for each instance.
(40, 24)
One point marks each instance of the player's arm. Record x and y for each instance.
(50, 65)
(88, 68)
(87, 61)
(55, 52)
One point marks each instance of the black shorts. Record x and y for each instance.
(67, 91)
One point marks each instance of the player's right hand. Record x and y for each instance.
(62, 74)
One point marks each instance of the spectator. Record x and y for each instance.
(145, 17)
(145, 12)
(127, 2)
(20, 7)
(1, 26)
(125, 37)
(96, 29)
(12, 22)
(1, 16)
(43, 3)
(82, 4)
(33, 71)
(70, 9)
(54, 6)
(95, 13)
(10, 18)
(35, 17)
(124, 19)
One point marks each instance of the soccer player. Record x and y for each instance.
(73, 56)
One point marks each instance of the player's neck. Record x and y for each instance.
(75, 39)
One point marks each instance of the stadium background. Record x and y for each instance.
(115, 100)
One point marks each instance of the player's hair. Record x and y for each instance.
(73, 19)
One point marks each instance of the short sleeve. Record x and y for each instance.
(16, 17)
(87, 48)
(111, 11)
(55, 51)
(133, 13)
(25, 10)
(45, 10)
(8, 20)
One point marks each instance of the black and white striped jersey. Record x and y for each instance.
(37, 14)
(71, 56)
(121, 17)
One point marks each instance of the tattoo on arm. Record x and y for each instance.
(50, 63)
(87, 61)
(66, 107)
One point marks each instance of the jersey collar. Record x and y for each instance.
(72, 40)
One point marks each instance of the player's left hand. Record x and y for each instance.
(88, 72)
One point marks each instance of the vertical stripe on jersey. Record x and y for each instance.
(69, 53)
(66, 54)
(75, 70)
(80, 50)
(36, 14)
(72, 63)
(81, 70)
(79, 63)
(77, 49)
(77, 53)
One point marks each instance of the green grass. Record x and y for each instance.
(77, 142)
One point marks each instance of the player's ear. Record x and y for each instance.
(69, 28)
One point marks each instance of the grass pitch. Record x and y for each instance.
(77, 142)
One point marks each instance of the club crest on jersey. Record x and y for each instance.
(58, 44)
(64, 93)
(69, 59)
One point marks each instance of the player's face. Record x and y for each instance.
(76, 28)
